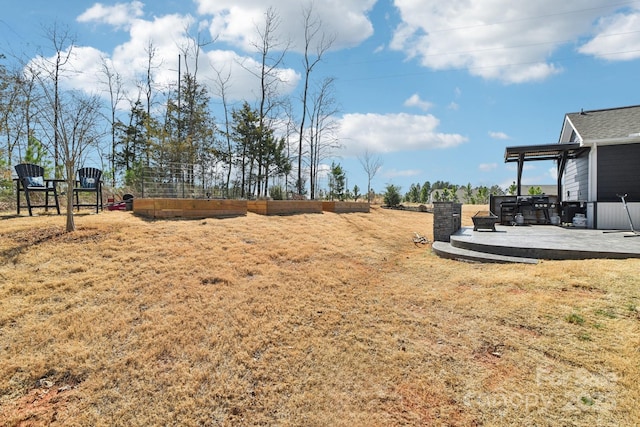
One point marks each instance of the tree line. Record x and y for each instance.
(273, 145)
(444, 191)
(272, 140)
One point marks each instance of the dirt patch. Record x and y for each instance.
(46, 404)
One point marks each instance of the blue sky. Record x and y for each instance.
(436, 90)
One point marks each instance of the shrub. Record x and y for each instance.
(392, 195)
(276, 192)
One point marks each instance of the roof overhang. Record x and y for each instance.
(631, 139)
(543, 152)
(559, 152)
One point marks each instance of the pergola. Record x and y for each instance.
(558, 152)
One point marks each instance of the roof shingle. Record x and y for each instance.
(606, 124)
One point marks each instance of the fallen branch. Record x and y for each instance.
(418, 239)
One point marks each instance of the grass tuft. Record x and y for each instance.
(575, 318)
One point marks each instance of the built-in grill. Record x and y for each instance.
(536, 202)
(532, 209)
(540, 202)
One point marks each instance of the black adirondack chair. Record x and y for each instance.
(89, 181)
(31, 180)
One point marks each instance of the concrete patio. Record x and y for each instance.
(530, 243)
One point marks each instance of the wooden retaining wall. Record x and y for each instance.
(200, 208)
(189, 208)
(345, 207)
(284, 207)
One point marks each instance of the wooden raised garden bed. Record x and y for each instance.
(484, 220)
(284, 207)
(189, 208)
(345, 207)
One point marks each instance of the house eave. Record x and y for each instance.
(564, 138)
(612, 141)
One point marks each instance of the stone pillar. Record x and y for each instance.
(446, 220)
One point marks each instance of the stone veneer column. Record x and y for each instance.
(446, 220)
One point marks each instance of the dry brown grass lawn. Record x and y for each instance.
(315, 320)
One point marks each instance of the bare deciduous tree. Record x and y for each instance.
(148, 87)
(114, 86)
(371, 165)
(221, 84)
(319, 43)
(77, 123)
(11, 111)
(19, 108)
(272, 52)
(62, 42)
(322, 127)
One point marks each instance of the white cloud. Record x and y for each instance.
(235, 21)
(120, 15)
(415, 101)
(501, 39)
(167, 35)
(499, 135)
(394, 173)
(243, 84)
(324, 170)
(164, 36)
(617, 38)
(487, 167)
(89, 60)
(393, 132)
(80, 71)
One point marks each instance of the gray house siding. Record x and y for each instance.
(618, 172)
(576, 179)
(611, 168)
